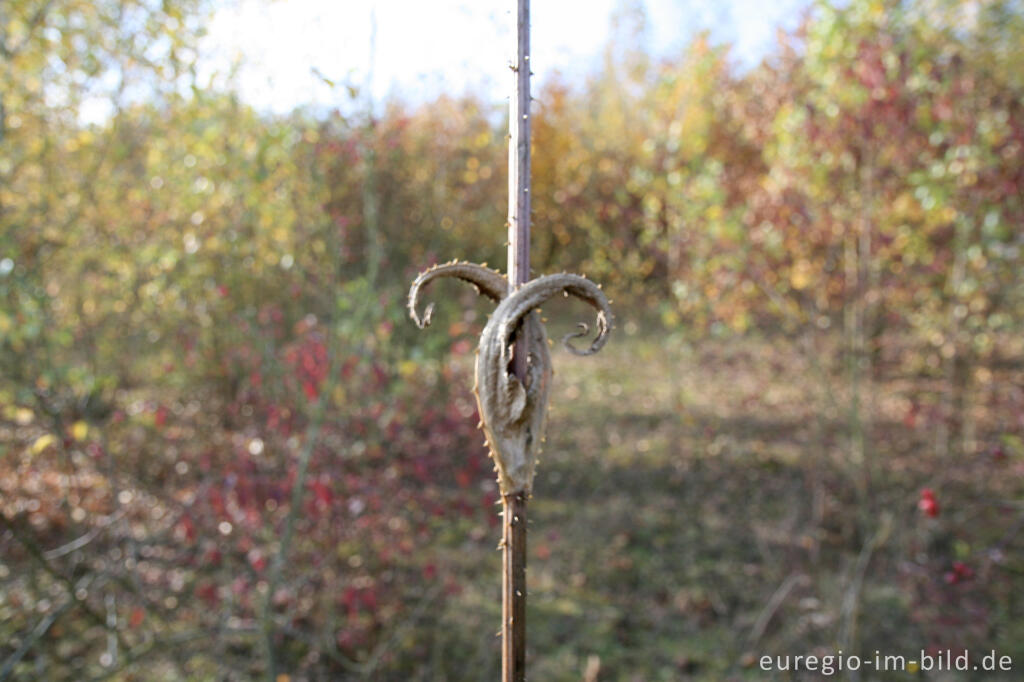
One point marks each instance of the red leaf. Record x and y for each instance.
(310, 389)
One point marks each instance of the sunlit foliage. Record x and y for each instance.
(224, 452)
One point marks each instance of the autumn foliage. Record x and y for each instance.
(225, 453)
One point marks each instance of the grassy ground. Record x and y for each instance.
(696, 508)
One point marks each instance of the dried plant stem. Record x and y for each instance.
(513, 405)
(513, 598)
(513, 605)
(519, 155)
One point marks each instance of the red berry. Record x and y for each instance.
(962, 570)
(257, 561)
(927, 503)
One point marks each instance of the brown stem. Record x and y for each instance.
(519, 175)
(513, 624)
(513, 596)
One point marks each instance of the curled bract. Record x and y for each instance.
(489, 283)
(512, 413)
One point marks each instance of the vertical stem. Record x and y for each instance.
(867, 280)
(851, 342)
(519, 158)
(513, 598)
(956, 378)
(513, 601)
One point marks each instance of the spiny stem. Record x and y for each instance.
(513, 596)
(513, 625)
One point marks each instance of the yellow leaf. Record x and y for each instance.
(670, 318)
(79, 430)
(407, 368)
(800, 277)
(43, 442)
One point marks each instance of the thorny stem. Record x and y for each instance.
(513, 625)
(513, 596)
(513, 404)
(513, 412)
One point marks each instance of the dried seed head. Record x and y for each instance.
(513, 413)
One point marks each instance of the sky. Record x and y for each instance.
(289, 50)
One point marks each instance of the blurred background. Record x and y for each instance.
(226, 453)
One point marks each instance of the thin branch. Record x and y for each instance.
(37, 632)
(773, 604)
(37, 554)
(82, 541)
(851, 600)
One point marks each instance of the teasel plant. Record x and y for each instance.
(513, 363)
